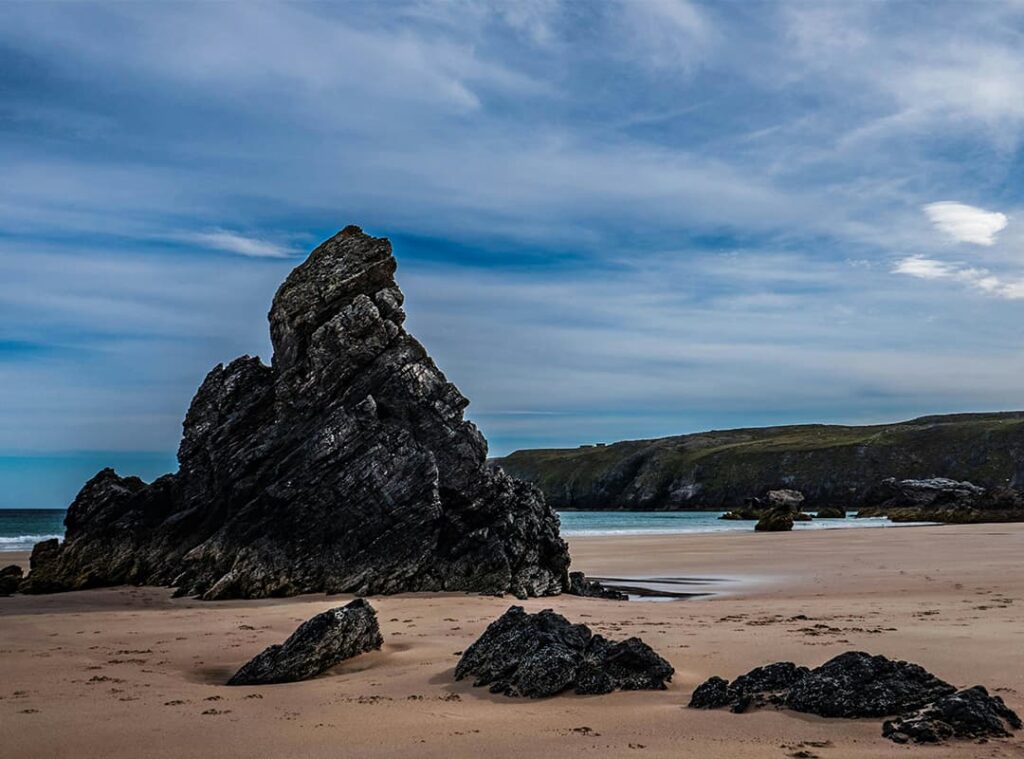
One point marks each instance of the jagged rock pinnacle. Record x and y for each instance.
(345, 466)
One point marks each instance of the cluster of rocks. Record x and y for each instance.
(777, 510)
(542, 654)
(344, 466)
(856, 684)
(519, 654)
(939, 499)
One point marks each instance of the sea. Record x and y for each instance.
(20, 529)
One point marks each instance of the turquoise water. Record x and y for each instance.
(20, 529)
(671, 522)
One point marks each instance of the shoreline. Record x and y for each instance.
(728, 527)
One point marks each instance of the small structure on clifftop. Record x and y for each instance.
(345, 466)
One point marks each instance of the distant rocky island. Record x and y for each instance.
(831, 465)
(344, 466)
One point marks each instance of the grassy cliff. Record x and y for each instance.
(831, 464)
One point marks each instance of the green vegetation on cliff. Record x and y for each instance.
(830, 464)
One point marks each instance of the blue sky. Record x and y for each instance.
(613, 220)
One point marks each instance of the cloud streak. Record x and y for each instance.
(232, 242)
(982, 280)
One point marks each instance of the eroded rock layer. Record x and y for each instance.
(345, 466)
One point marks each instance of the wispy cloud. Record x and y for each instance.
(966, 223)
(980, 279)
(232, 242)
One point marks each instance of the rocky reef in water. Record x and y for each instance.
(939, 499)
(344, 466)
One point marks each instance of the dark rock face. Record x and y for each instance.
(10, 579)
(317, 645)
(970, 713)
(856, 684)
(345, 466)
(943, 500)
(537, 655)
(581, 585)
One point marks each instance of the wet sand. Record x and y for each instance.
(130, 672)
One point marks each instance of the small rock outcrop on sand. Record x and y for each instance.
(344, 466)
(317, 645)
(830, 512)
(542, 654)
(581, 585)
(938, 499)
(10, 579)
(970, 713)
(776, 520)
(856, 684)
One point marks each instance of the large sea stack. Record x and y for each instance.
(345, 466)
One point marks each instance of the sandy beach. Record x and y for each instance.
(131, 672)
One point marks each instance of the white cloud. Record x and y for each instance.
(980, 279)
(232, 242)
(966, 223)
(923, 268)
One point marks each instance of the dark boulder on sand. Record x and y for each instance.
(970, 713)
(344, 466)
(758, 687)
(581, 585)
(317, 645)
(856, 684)
(776, 520)
(853, 684)
(542, 654)
(10, 579)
